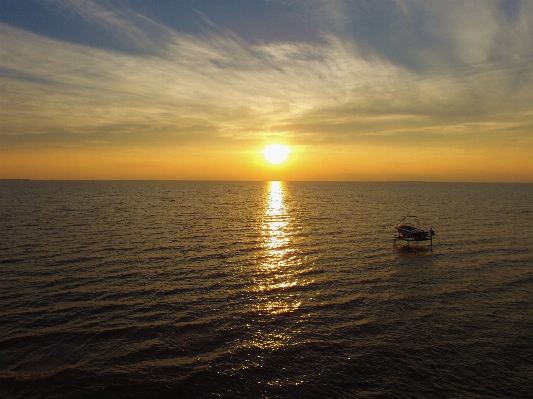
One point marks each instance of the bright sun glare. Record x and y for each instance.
(276, 153)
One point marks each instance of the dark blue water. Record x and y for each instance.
(278, 290)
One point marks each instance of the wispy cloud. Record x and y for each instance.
(122, 25)
(471, 80)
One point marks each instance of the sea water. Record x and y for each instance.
(264, 289)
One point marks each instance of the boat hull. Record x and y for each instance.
(412, 232)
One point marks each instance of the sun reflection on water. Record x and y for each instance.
(275, 298)
(275, 229)
(275, 278)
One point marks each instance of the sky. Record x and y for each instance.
(362, 90)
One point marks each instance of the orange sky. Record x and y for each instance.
(360, 164)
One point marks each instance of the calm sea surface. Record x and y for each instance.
(279, 290)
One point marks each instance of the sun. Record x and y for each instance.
(276, 153)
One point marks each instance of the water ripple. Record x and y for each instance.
(241, 289)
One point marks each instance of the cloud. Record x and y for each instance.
(116, 25)
(433, 35)
(351, 87)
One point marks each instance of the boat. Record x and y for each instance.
(408, 230)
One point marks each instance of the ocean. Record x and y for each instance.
(195, 289)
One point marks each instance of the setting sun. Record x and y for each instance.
(276, 153)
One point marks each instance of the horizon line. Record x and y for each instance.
(262, 181)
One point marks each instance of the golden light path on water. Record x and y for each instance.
(277, 271)
(275, 229)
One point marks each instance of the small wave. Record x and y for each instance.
(32, 375)
(11, 260)
(411, 249)
(17, 340)
(342, 304)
